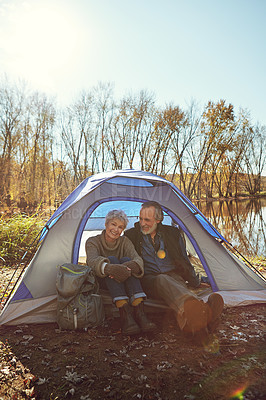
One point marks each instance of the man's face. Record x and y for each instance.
(147, 220)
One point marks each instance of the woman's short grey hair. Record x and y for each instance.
(119, 214)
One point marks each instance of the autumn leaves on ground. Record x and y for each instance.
(42, 362)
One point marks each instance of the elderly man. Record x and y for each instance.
(168, 273)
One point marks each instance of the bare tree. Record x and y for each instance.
(12, 98)
(232, 162)
(206, 152)
(41, 123)
(254, 160)
(104, 109)
(183, 139)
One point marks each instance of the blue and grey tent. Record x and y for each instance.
(83, 212)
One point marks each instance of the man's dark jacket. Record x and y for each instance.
(174, 244)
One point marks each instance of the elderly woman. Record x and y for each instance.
(114, 259)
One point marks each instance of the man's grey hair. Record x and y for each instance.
(119, 214)
(158, 209)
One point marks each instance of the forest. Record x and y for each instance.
(46, 150)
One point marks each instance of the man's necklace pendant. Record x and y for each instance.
(161, 254)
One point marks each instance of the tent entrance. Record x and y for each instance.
(94, 222)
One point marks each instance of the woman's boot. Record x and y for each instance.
(128, 324)
(142, 319)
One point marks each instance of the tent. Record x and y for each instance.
(82, 213)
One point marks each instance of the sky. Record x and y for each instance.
(180, 50)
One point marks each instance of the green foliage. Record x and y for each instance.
(17, 235)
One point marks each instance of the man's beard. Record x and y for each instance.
(149, 231)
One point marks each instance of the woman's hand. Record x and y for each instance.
(119, 272)
(133, 266)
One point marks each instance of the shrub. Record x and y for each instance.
(17, 234)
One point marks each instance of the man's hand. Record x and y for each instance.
(203, 284)
(119, 272)
(135, 268)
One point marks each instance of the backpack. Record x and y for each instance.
(79, 305)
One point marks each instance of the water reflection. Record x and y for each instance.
(241, 222)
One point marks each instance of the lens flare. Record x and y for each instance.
(211, 344)
(239, 393)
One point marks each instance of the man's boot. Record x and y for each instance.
(142, 319)
(196, 314)
(128, 324)
(216, 305)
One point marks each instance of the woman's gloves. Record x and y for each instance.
(135, 268)
(120, 272)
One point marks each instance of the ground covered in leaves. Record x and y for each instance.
(42, 362)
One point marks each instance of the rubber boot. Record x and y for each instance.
(142, 319)
(128, 324)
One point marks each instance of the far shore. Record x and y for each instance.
(241, 197)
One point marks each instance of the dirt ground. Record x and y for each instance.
(42, 362)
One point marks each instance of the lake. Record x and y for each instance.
(241, 222)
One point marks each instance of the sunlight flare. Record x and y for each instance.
(42, 41)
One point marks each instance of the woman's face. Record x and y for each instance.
(113, 229)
